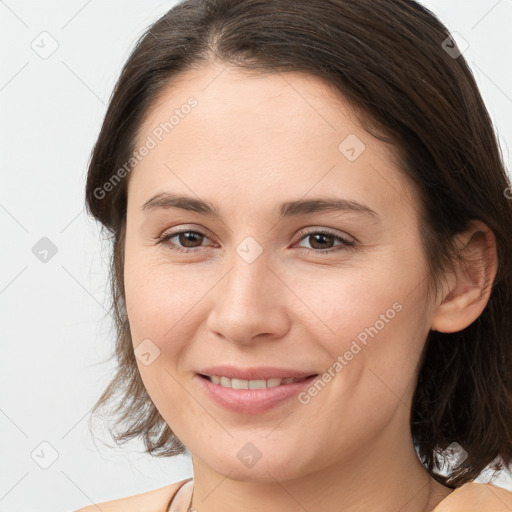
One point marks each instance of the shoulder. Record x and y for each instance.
(156, 500)
(475, 497)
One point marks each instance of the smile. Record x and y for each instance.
(251, 384)
(252, 396)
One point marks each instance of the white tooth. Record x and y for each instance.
(239, 384)
(251, 384)
(225, 381)
(272, 383)
(257, 384)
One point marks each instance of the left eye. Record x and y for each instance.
(319, 237)
(188, 238)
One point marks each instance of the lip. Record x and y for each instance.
(254, 373)
(252, 401)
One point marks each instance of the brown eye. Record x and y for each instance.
(190, 238)
(318, 241)
(186, 239)
(321, 242)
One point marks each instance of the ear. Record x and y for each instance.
(467, 290)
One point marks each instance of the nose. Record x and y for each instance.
(249, 302)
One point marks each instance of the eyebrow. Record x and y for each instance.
(166, 200)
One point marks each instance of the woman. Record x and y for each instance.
(311, 266)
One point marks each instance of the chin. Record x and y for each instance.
(266, 469)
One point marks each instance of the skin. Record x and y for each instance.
(253, 142)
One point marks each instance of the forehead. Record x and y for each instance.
(229, 128)
(246, 98)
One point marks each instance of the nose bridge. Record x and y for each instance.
(247, 283)
(248, 301)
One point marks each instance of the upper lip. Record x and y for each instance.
(254, 373)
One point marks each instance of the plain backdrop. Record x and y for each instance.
(56, 333)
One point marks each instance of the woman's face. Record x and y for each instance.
(270, 284)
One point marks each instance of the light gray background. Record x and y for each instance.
(55, 329)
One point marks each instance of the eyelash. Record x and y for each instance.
(347, 243)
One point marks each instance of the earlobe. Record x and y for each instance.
(468, 289)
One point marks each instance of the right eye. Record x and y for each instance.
(192, 237)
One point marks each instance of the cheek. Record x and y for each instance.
(352, 301)
(373, 327)
(158, 297)
(158, 302)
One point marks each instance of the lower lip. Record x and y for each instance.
(252, 401)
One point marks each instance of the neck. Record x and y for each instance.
(381, 476)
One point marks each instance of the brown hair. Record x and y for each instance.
(390, 60)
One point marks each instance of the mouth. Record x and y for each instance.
(251, 397)
(274, 382)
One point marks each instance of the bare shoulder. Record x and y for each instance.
(475, 497)
(155, 500)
